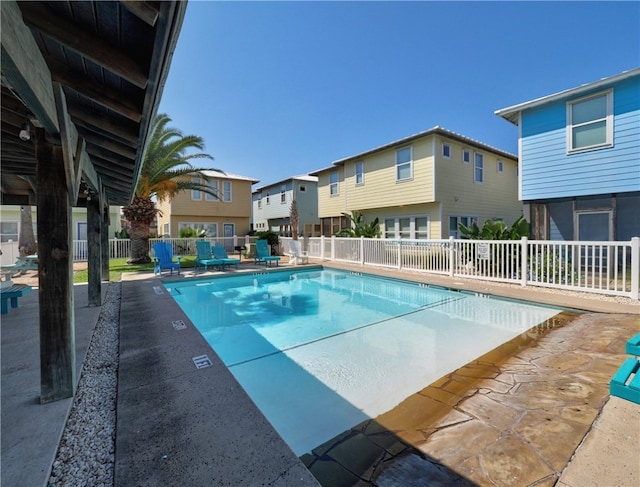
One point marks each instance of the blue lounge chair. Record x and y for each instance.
(204, 257)
(220, 253)
(163, 258)
(263, 255)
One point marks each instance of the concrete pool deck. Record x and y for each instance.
(538, 413)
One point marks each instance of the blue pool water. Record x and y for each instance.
(320, 351)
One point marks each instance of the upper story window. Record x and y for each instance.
(283, 194)
(590, 122)
(500, 166)
(213, 186)
(226, 191)
(446, 151)
(359, 173)
(195, 193)
(268, 197)
(259, 203)
(466, 156)
(404, 164)
(302, 188)
(333, 183)
(478, 168)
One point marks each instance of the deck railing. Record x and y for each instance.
(611, 268)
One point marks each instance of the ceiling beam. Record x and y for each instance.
(104, 95)
(143, 10)
(24, 68)
(86, 44)
(105, 125)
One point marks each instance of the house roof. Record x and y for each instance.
(227, 175)
(511, 113)
(301, 177)
(90, 74)
(437, 130)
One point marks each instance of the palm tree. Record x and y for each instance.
(166, 171)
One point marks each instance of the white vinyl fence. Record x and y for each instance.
(611, 268)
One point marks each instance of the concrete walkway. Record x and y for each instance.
(183, 425)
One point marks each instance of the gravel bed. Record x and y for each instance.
(86, 454)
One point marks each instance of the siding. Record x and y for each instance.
(496, 197)
(547, 170)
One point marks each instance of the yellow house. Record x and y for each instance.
(422, 186)
(224, 215)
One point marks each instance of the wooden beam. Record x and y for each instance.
(87, 44)
(104, 95)
(24, 68)
(94, 243)
(143, 10)
(99, 124)
(55, 275)
(104, 240)
(109, 145)
(69, 136)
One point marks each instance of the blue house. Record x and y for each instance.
(579, 154)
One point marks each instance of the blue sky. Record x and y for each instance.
(278, 89)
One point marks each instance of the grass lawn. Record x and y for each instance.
(118, 266)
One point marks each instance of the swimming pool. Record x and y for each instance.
(320, 351)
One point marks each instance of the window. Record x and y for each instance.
(466, 156)
(446, 151)
(333, 183)
(283, 194)
(268, 197)
(8, 231)
(195, 193)
(302, 188)
(226, 191)
(407, 227)
(260, 204)
(211, 228)
(213, 186)
(594, 225)
(165, 230)
(465, 220)
(404, 165)
(500, 166)
(359, 173)
(478, 168)
(590, 122)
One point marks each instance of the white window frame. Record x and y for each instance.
(9, 236)
(466, 156)
(446, 150)
(477, 167)
(608, 120)
(470, 219)
(334, 179)
(259, 203)
(578, 213)
(395, 233)
(196, 194)
(226, 191)
(212, 184)
(165, 229)
(268, 198)
(359, 173)
(402, 164)
(500, 166)
(302, 188)
(283, 194)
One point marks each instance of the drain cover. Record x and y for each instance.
(179, 324)
(202, 361)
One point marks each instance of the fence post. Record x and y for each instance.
(452, 256)
(333, 247)
(322, 247)
(524, 247)
(361, 250)
(635, 268)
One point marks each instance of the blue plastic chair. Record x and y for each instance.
(220, 253)
(163, 258)
(204, 257)
(263, 255)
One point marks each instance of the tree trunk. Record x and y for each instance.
(139, 233)
(26, 240)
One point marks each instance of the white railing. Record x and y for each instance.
(611, 268)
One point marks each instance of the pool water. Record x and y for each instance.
(320, 351)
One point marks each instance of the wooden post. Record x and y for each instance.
(94, 251)
(104, 237)
(57, 321)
